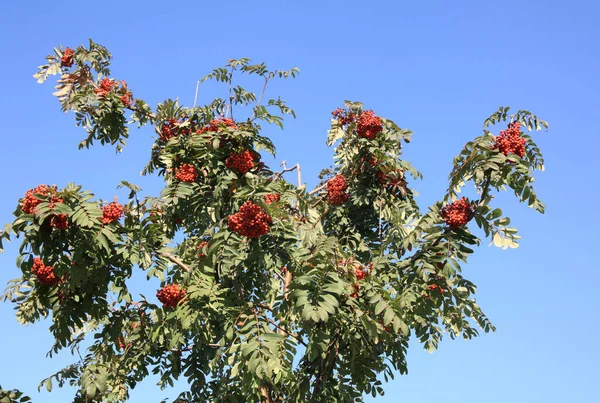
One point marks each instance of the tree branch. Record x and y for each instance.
(175, 260)
(278, 175)
(286, 333)
(315, 190)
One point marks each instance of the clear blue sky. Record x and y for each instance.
(436, 67)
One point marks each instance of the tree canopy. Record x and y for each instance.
(269, 291)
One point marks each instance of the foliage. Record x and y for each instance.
(269, 292)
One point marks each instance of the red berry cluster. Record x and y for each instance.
(343, 116)
(356, 290)
(251, 221)
(67, 58)
(186, 173)
(168, 129)
(30, 202)
(457, 213)
(200, 246)
(60, 222)
(336, 190)
(106, 86)
(170, 295)
(510, 141)
(122, 344)
(368, 125)
(44, 274)
(216, 124)
(241, 162)
(360, 273)
(272, 198)
(127, 99)
(111, 212)
(433, 287)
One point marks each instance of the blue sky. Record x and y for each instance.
(436, 67)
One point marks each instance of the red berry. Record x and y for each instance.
(127, 99)
(216, 124)
(67, 58)
(60, 222)
(168, 129)
(336, 190)
(111, 212)
(272, 198)
(241, 162)
(368, 125)
(44, 274)
(201, 246)
(186, 173)
(170, 295)
(250, 221)
(105, 86)
(30, 201)
(457, 213)
(343, 117)
(510, 140)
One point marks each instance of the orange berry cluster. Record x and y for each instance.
(272, 198)
(510, 140)
(122, 344)
(30, 202)
(200, 246)
(360, 273)
(186, 173)
(433, 287)
(67, 58)
(60, 222)
(168, 129)
(457, 213)
(368, 125)
(356, 290)
(251, 221)
(106, 86)
(241, 162)
(216, 124)
(343, 116)
(170, 295)
(127, 99)
(111, 212)
(44, 274)
(336, 190)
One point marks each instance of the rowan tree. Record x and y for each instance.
(269, 292)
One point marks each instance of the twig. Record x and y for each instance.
(263, 91)
(196, 96)
(295, 336)
(278, 175)
(317, 189)
(175, 260)
(485, 188)
(299, 175)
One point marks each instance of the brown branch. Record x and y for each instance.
(175, 260)
(286, 284)
(284, 332)
(315, 190)
(278, 175)
(263, 91)
(265, 395)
